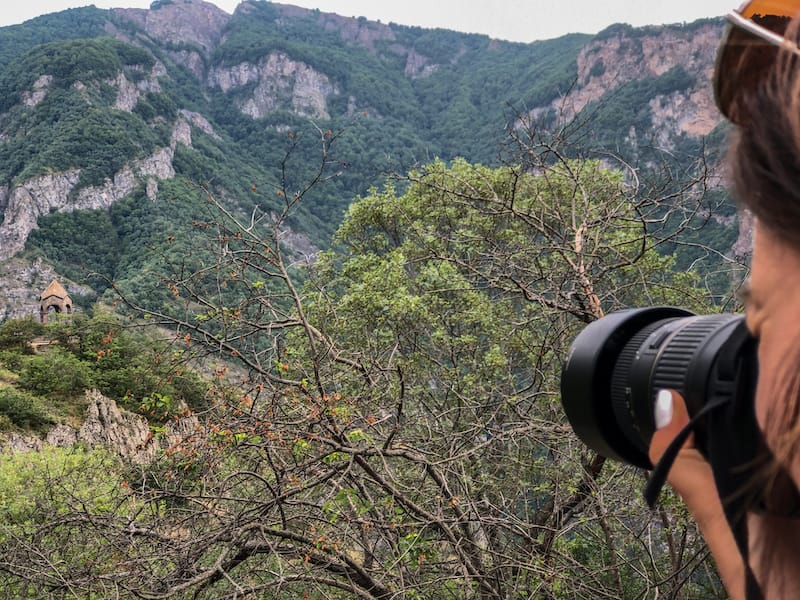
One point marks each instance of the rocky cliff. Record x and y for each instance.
(277, 82)
(621, 55)
(108, 426)
(47, 194)
(190, 22)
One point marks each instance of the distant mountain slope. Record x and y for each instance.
(110, 121)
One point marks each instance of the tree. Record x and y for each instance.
(391, 428)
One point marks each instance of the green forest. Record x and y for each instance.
(345, 334)
(393, 427)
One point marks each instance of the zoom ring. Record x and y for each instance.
(672, 366)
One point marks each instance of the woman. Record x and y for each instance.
(757, 85)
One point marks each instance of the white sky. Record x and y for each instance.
(517, 20)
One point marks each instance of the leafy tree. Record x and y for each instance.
(392, 428)
(19, 333)
(37, 491)
(141, 371)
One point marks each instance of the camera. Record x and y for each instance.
(617, 364)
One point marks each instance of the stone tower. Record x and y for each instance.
(55, 298)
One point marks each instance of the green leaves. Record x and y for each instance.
(23, 409)
(55, 477)
(57, 373)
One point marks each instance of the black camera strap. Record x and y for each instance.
(658, 476)
(734, 515)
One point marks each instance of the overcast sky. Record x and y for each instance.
(517, 20)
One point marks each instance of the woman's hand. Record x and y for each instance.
(691, 477)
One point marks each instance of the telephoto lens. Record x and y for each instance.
(617, 364)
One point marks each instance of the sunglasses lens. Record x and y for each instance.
(744, 59)
(781, 8)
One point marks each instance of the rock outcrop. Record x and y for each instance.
(199, 121)
(280, 82)
(107, 425)
(129, 92)
(191, 22)
(614, 59)
(37, 92)
(356, 31)
(50, 193)
(26, 203)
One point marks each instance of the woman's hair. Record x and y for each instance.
(764, 165)
(764, 157)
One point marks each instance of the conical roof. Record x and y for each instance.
(55, 289)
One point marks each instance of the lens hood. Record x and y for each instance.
(587, 380)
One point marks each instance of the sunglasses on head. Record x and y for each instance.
(750, 46)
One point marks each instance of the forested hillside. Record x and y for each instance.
(113, 123)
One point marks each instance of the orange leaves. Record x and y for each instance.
(105, 341)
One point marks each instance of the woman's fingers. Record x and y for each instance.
(670, 417)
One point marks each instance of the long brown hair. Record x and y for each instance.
(764, 163)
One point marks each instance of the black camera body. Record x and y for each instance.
(617, 365)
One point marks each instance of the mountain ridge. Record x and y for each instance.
(210, 97)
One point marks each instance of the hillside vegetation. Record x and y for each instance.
(244, 113)
(40, 389)
(384, 424)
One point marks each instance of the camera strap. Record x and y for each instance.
(716, 414)
(658, 476)
(744, 469)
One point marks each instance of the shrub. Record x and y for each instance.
(22, 409)
(19, 333)
(56, 373)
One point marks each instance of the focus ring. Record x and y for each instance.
(620, 381)
(621, 389)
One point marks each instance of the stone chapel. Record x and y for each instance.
(54, 299)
